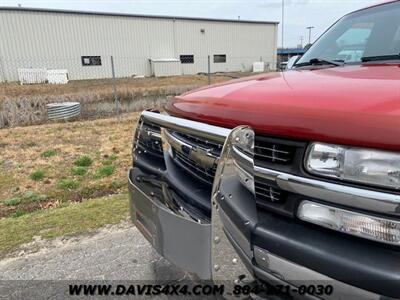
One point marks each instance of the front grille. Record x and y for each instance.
(267, 194)
(279, 154)
(149, 139)
(272, 152)
(183, 156)
(214, 148)
(206, 175)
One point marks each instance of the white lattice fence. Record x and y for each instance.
(37, 76)
(32, 76)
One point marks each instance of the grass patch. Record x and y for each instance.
(69, 220)
(12, 201)
(68, 184)
(63, 180)
(37, 175)
(27, 197)
(18, 213)
(83, 161)
(78, 171)
(104, 171)
(48, 153)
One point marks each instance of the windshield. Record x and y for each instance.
(368, 33)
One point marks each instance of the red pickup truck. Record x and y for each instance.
(290, 178)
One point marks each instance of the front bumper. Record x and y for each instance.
(272, 248)
(183, 242)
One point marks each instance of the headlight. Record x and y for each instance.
(372, 167)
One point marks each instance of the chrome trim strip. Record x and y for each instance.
(297, 275)
(204, 158)
(377, 202)
(153, 134)
(213, 133)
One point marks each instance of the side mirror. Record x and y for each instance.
(291, 62)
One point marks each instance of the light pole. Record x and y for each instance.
(309, 33)
(283, 22)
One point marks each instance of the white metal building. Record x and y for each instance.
(83, 43)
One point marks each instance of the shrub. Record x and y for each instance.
(48, 153)
(37, 175)
(78, 171)
(83, 161)
(104, 171)
(68, 184)
(12, 201)
(31, 196)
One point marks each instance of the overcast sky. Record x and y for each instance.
(298, 13)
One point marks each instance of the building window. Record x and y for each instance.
(187, 59)
(219, 58)
(91, 60)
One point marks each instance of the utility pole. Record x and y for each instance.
(309, 33)
(301, 41)
(283, 23)
(114, 88)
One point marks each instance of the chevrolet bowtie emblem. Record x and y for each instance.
(185, 149)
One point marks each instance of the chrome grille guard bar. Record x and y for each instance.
(213, 133)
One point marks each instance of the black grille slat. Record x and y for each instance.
(273, 152)
(272, 149)
(270, 198)
(195, 169)
(262, 189)
(273, 158)
(151, 144)
(279, 154)
(267, 193)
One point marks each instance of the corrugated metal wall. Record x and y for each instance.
(58, 40)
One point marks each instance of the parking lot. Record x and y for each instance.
(117, 252)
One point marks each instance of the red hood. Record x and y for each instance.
(353, 105)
